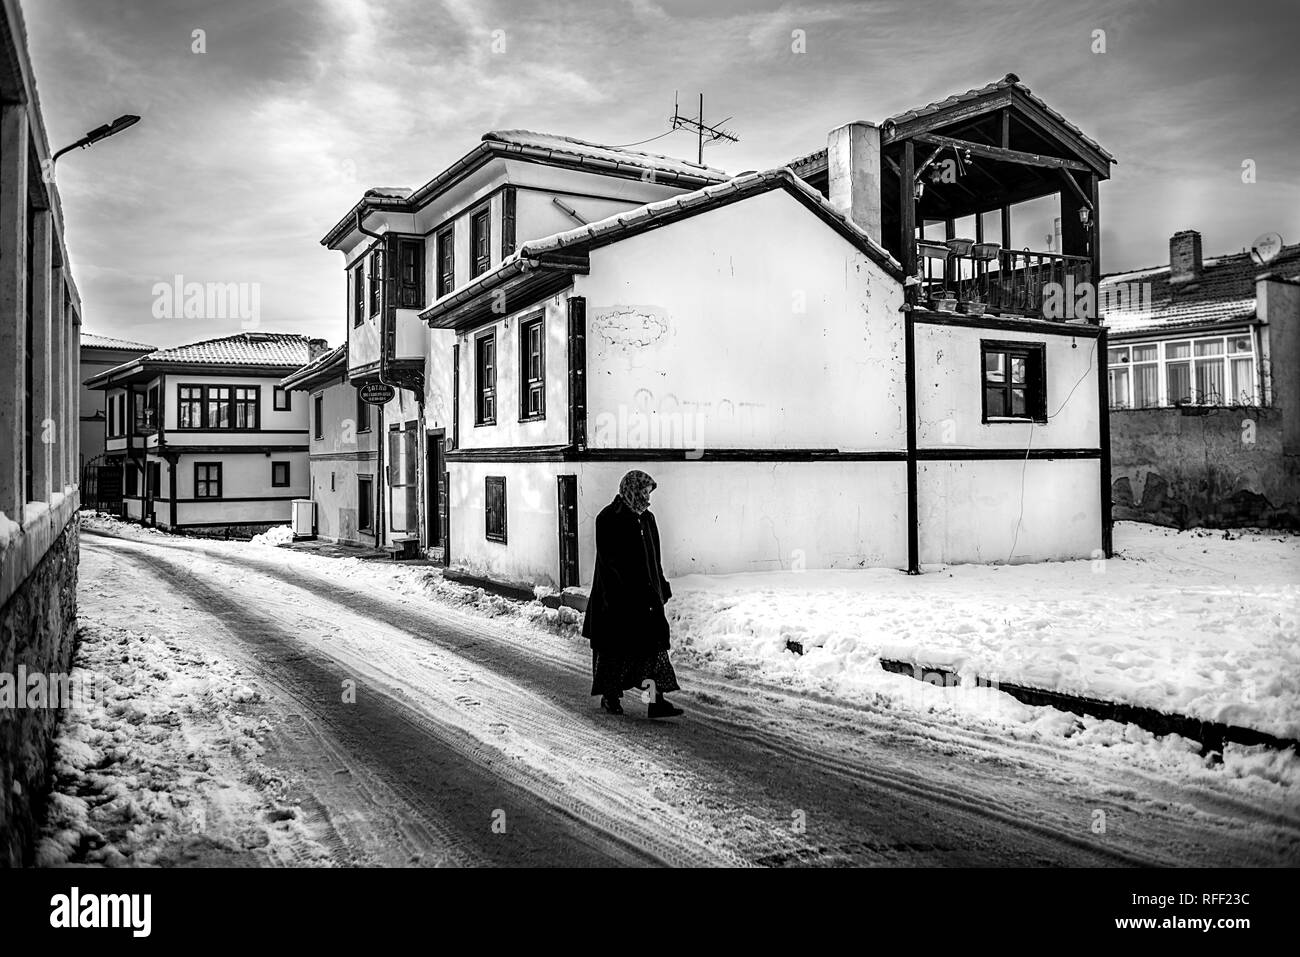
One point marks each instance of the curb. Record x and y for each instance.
(1212, 735)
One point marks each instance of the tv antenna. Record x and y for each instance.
(702, 131)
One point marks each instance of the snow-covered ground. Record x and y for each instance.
(158, 766)
(1202, 623)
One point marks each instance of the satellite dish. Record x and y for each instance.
(1265, 248)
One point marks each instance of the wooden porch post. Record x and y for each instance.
(908, 219)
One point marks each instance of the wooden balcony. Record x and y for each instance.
(971, 278)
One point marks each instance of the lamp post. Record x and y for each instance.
(97, 134)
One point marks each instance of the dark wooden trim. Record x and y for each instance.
(507, 221)
(232, 449)
(949, 454)
(247, 498)
(568, 453)
(1057, 131)
(342, 456)
(1046, 327)
(1003, 154)
(932, 121)
(455, 396)
(237, 431)
(1103, 440)
(907, 219)
(577, 359)
(909, 377)
(522, 453)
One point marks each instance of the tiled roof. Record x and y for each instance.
(245, 348)
(1010, 80)
(1225, 292)
(107, 342)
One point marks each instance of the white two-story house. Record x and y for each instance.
(206, 437)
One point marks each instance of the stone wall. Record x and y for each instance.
(38, 632)
(1220, 468)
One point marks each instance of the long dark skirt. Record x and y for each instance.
(612, 674)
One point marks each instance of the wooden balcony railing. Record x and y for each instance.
(980, 278)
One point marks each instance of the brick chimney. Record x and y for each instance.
(1185, 257)
(316, 348)
(853, 167)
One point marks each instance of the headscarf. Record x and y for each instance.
(635, 489)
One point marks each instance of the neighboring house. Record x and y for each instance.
(768, 346)
(98, 354)
(205, 435)
(344, 450)
(1204, 382)
(39, 327)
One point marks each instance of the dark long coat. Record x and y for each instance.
(625, 612)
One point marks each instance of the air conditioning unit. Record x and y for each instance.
(304, 518)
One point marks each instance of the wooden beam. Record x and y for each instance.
(1076, 188)
(1003, 154)
(945, 117)
(1062, 135)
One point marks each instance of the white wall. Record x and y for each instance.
(950, 379)
(968, 511)
(714, 517)
(750, 326)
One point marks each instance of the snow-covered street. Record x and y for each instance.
(267, 707)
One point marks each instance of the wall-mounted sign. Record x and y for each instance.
(377, 393)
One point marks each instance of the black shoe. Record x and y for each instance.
(611, 705)
(663, 708)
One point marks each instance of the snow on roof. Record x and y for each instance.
(1225, 292)
(107, 342)
(572, 146)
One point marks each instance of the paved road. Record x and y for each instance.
(462, 722)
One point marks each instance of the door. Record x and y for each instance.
(568, 520)
(436, 511)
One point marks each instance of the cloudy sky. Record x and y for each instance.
(248, 152)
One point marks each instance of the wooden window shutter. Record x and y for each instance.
(507, 221)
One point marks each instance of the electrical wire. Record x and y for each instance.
(623, 146)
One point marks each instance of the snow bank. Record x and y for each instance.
(161, 766)
(1197, 623)
(274, 537)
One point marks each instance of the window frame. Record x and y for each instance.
(1164, 363)
(489, 482)
(363, 414)
(365, 516)
(410, 292)
(318, 415)
(375, 275)
(1035, 388)
(359, 293)
(287, 474)
(479, 265)
(528, 385)
(485, 394)
(279, 393)
(209, 481)
(444, 265)
(230, 404)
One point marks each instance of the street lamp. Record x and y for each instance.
(97, 134)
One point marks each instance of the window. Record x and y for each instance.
(363, 414)
(532, 370)
(410, 273)
(218, 407)
(1241, 362)
(279, 474)
(480, 242)
(1178, 372)
(282, 400)
(358, 294)
(189, 407)
(1215, 370)
(318, 415)
(207, 480)
(485, 358)
(365, 501)
(245, 407)
(495, 508)
(446, 250)
(1014, 381)
(376, 282)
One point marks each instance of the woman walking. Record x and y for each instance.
(625, 620)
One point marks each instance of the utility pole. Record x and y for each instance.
(697, 125)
